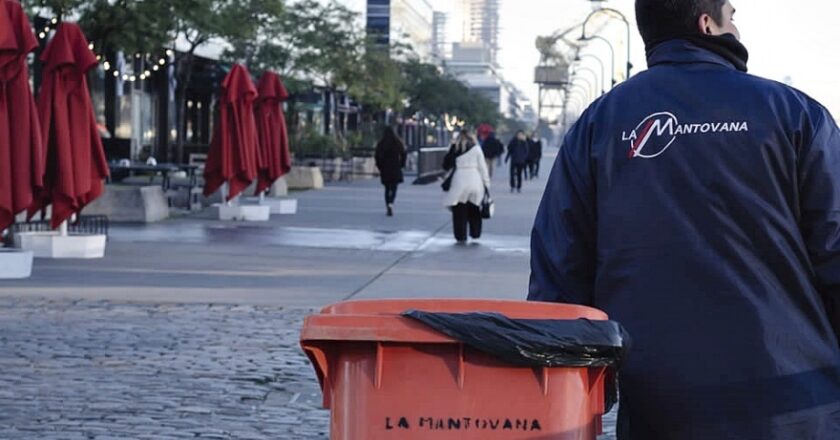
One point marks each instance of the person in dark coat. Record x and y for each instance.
(390, 156)
(699, 206)
(493, 149)
(517, 155)
(535, 152)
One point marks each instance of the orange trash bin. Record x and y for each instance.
(384, 376)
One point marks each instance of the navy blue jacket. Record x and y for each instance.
(517, 152)
(700, 207)
(492, 147)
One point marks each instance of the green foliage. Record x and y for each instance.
(57, 8)
(377, 82)
(311, 143)
(310, 39)
(130, 26)
(434, 93)
(199, 21)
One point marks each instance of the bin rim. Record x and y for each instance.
(511, 308)
(382, 320)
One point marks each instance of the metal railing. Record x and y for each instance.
(85, 225)
(430, 164)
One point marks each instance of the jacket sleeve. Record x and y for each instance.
(819, 188)
(563, 241)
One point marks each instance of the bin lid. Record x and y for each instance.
(381, 321)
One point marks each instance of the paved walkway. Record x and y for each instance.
(99, 370)
(189, 328)
(340, 245)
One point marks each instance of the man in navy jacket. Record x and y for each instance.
(700, 207)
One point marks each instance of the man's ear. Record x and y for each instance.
(703, 24)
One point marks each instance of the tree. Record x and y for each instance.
(199, 21)
(377, 82)
(127, 25)
(58, 8)
(431, 92)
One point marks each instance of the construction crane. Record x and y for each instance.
(557, 51)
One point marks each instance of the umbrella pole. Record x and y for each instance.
(225, 194)
(62, 230)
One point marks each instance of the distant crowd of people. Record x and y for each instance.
(523, 153)
(470, 165)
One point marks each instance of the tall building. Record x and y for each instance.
(402, 21)
(439, 23)
(481, 24)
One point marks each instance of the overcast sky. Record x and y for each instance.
(795, 39)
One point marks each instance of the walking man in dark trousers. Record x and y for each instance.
(700, 207)
(517, 155)
(535, 153)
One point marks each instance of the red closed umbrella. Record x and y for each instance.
(21, 154)
(274, 159)
(75, 160)
(233, 152)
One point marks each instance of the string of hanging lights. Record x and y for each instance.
(109, 66)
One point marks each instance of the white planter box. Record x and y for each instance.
(15, 264)
(276, 205)
(246, 213)
(54, 245)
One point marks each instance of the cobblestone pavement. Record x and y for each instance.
(96, 370)
(100, 370)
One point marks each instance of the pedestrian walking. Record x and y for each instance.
(466, 186)
(517, 156)
(535, 152)
(493, 149)
(390, 159)
(700, 207)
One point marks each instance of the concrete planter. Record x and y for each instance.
(135, 204)
(15, 264)
(331, 169)
(364, 168)
(54, 245)
(280, 188)
(276, 205)
(245, 213)
(303, 178)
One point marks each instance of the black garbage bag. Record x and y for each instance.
(578, 343)
(534, 342)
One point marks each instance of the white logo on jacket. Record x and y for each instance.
(657, 132)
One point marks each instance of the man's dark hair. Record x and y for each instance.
(659, 20)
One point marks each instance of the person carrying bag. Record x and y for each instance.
(466, 187)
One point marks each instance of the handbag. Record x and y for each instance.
(449, 163)
(447, 183)
(488, 206)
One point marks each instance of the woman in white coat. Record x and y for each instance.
(470, 180)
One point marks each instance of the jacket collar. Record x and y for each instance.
(679, 51)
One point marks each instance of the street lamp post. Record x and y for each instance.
(594, 75)
(581, 105)
(581, 88)
(589, 85)
(613, 13)
(600, 63)
(577, 97)
(612, 54)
